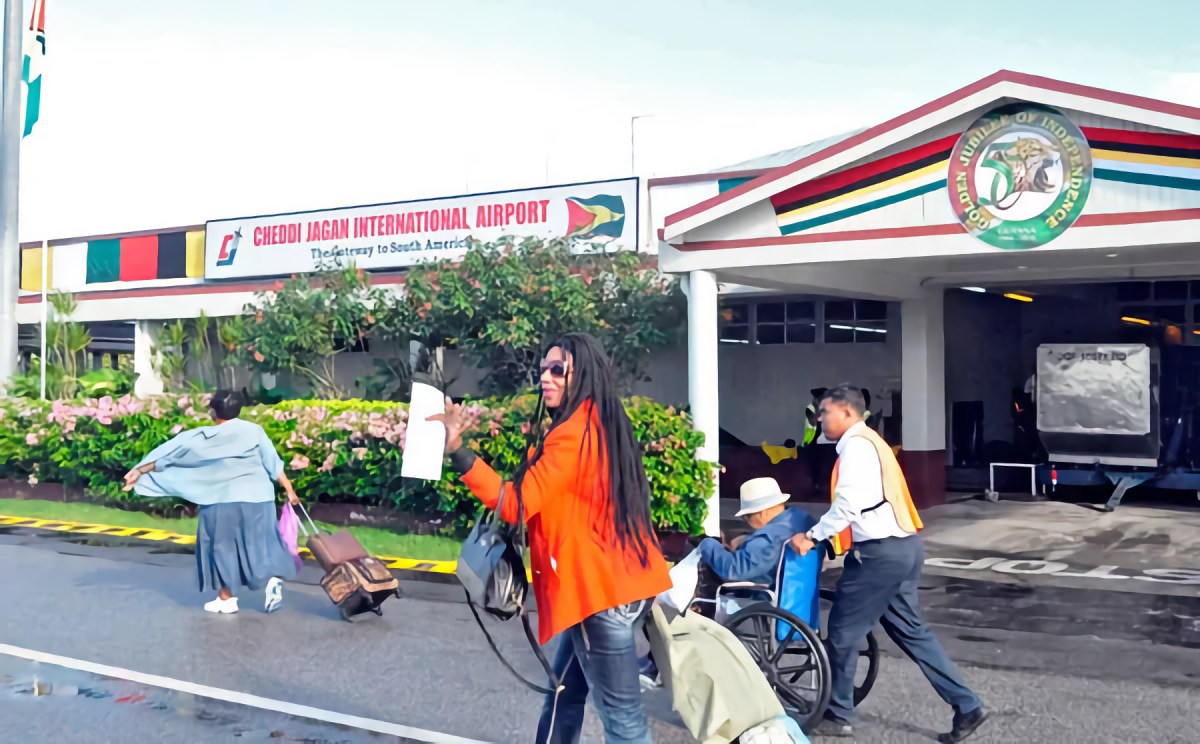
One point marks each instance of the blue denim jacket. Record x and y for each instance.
(757, 558)
(221, 464)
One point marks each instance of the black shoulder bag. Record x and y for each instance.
(492, 572)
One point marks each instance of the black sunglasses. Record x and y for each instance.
(556, 368)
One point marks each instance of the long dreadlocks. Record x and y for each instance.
(593, 383)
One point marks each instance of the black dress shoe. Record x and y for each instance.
(832, 729)
(964, 725)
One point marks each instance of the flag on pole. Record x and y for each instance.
(31, 71)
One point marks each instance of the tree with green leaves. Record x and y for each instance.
(305, 324)
(502, 302)
(198, 354)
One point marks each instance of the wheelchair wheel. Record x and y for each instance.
(796, 667)
(868, 658)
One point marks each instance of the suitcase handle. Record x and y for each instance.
(304, 511)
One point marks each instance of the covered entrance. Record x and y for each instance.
(1015, 212)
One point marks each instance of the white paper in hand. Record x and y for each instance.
(684, 577)
(425, 441)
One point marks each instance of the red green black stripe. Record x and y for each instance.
(1146, 139)
(842, 214)
(1148, 179)
(864, 175)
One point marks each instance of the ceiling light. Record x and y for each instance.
(860, 329)
(1113, 255)
(973, 289)
(1018, 297)
(1135, 321)
(1022, 268)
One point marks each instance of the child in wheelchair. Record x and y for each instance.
(751, 559)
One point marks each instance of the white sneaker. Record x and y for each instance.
(274, 594)
(222, 606)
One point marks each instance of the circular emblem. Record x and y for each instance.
(1019, 177)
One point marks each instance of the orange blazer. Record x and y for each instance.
(579, 567)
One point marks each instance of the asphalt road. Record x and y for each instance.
(47, 703)
(425, 665)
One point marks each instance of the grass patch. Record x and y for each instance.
(403, 545)
(376, 540)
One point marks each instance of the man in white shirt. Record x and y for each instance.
(881, 571)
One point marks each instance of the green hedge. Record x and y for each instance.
(334, 451)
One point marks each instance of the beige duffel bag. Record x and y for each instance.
(715, 686)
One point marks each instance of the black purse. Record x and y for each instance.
(492, 572)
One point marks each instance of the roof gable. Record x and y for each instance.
(1001, 86)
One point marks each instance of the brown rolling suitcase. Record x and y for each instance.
(354, 581)
(334, 549)
(359, 585)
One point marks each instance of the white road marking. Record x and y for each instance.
(238, 698)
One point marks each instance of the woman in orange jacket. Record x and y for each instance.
(596, 563)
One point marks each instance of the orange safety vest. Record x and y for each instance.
(895, 491)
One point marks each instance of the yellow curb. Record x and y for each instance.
(84, 528)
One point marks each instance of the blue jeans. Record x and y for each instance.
(599, 655)
(879, 585)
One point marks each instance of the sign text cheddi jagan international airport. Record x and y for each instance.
(391, 236)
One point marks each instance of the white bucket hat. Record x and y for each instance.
(759, 494)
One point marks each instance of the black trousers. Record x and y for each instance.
(879, 585)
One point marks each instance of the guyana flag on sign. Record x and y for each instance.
(31, 71)
(601, 216)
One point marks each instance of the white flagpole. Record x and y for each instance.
(10, 152)
(45, 312)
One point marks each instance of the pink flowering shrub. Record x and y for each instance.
(334, 451)
(87, 443)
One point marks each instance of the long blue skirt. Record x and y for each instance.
(239, 545)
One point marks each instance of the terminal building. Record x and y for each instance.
(930, 258)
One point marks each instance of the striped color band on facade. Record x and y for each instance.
(1142, 158)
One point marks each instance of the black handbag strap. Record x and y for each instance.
(537, 651)
(518, 543)
(494, 516)
(520, 534)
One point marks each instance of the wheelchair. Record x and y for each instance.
(779, 629)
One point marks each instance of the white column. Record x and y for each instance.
(923, 372)
(148, 381)
(702, 379)
(12, 127)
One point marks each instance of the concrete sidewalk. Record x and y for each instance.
(1134, 538)
(1055, 568)
(1153, 550)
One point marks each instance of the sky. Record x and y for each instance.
(164, 113)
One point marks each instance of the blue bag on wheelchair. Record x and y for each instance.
(798, 588)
